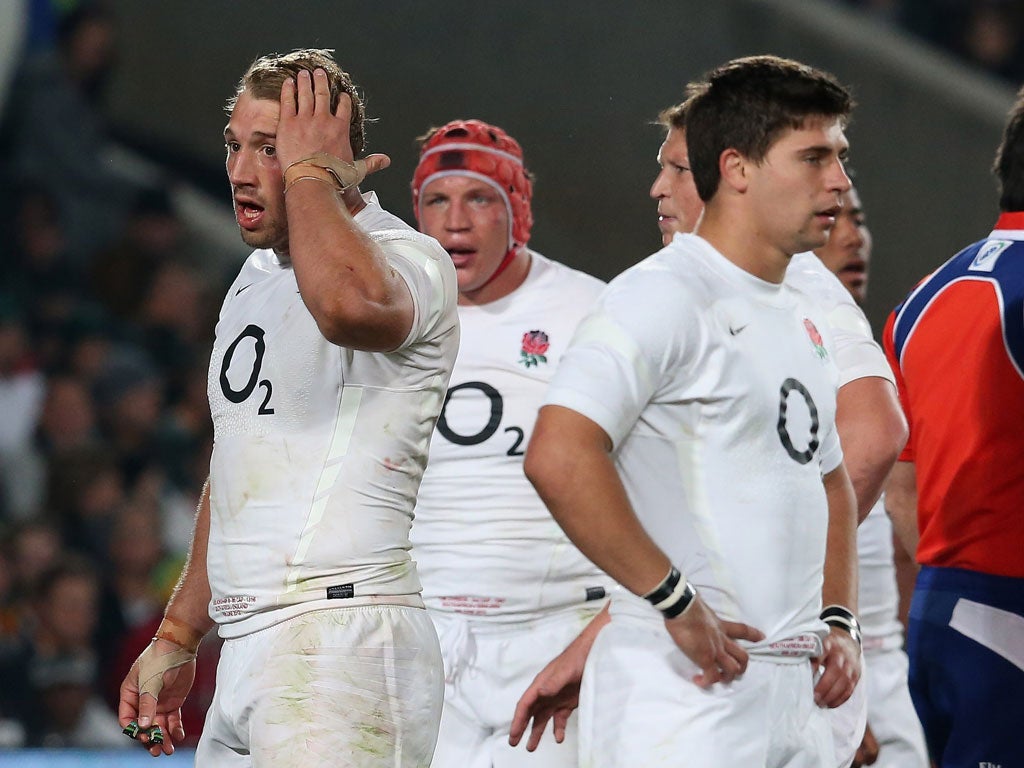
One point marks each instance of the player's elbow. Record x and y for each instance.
(363, 324)
(541, 465)
(871, 426)
(546, 460)
(563, 451)
(893, 433)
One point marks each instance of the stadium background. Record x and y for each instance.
(580, 85)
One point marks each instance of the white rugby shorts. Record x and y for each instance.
(891, 713)
(639, 707)
(849, 719)
(488, 666)
(360, 687)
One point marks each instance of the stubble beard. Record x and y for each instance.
(273, 238)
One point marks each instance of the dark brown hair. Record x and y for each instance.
(1009, 164)
(746, 104)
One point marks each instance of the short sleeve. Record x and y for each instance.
(641, 325)
(858, 355)
(831, 455)
(420, 264)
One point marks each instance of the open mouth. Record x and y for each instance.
(854, 270)
(248, 213)
(249, 216)
(829, 214)
(461, 256)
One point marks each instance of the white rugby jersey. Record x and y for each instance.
(484, 543)
(718, 392)
(858, 355)
(319, 449)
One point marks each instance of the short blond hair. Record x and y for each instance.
(266, 75)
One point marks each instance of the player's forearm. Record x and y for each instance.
(840, 574)
(190, 602)
(356, 298)
(873, 431)
(901, 504)
(906, 577)
(576, 653)
(589, 634)
(569, 463)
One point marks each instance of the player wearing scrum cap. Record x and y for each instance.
(501, 581)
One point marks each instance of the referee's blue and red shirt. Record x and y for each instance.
(956, 346)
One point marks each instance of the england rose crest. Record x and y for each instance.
(535, 344)
(812, 332)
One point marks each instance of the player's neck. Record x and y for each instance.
(736, 240)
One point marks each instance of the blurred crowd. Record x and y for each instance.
(987, 34)
(106, 317)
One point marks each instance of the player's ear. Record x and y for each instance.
(733, 167)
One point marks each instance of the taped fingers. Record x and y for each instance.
(154, 734)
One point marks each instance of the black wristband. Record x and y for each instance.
(842, 618)
(680, 603)
(673, 595)
(664, 590)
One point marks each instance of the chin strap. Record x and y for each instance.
(501, 267)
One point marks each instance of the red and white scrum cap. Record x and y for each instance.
(485, 152)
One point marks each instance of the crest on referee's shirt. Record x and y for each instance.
(815, 337)
(988, 255)
(535, 346)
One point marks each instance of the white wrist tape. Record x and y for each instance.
(344, 174)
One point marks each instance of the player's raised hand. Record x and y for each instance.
(307, 125)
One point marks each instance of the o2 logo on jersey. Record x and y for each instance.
(251, 335)
(798, 416)
(488, 417)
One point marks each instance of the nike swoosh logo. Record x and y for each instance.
(243, 288)
(736, 331)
